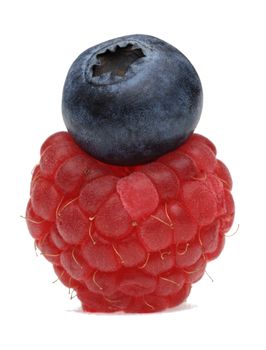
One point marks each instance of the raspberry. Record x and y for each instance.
(130, 239)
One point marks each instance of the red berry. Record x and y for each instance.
(209, 237)
(200, 201)
(72, 174)
(184, 226)
(183, 165)
(54, 155)
(130, 239)
(201, 153)
(138, 195)
(159, 262)
(57, 239)
(170, 283)
(164, 179)
(189, 256)
(102, 283)
(48, 249)
(60, 137)
(155, 232)
(100, 256)
(135, 283)
(96, 192)
(203, 140)
(45, 199)
(131, 252)
(223, 173)
(108, 223)
(72, 223)
(74, 264)
(36, 225)
(65, 278)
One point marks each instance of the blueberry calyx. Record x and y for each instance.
(115, 63)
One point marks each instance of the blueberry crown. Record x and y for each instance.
(116, 62)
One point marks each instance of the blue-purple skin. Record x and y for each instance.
(129, 100)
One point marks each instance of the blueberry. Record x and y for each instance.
(129, 100)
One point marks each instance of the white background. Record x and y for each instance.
(225, 40)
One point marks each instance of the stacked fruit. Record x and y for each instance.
(130, 205)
